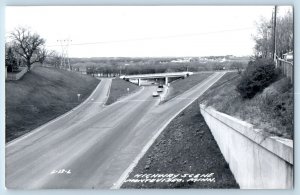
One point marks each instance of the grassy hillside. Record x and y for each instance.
(41, 95)
(181, 85)
(271, 110)
(186, 146)
(118, 89)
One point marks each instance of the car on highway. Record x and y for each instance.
(155, 94)
(159, 90)
(160, 86)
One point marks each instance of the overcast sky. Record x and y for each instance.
(144, 31)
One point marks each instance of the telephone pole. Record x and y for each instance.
(274, 33)
(64, 60)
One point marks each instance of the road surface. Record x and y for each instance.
(93, 146)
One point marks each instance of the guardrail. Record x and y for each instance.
(167, 74)
(286, 68)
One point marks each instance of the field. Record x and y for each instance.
(271, 110)
(186, 146)
(179, 86)
(41, 95)
(119, 89)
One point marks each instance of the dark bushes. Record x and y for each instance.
(278, 101)
(11, 61)
(258, 75)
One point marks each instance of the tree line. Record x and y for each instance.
(145, 68)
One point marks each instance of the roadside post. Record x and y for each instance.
(78, 97)
(127, 90)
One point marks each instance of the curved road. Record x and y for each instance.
(94, 146)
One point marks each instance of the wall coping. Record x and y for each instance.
(279, 146)
(16, 76)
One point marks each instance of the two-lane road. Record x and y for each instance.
(93, 147)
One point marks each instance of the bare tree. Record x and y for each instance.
(263, 39)
(29, 45)
(53, 58)
(41, 55)
(284, 36)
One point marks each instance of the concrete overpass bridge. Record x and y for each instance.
(164, 76)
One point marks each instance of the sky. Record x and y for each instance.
(143, 31)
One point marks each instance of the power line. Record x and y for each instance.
(153, 38)
(64, 60)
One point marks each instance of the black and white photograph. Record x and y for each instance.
(149, 97)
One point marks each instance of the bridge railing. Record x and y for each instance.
(157, 74)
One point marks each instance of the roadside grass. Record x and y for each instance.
(186, 146)
(179, 86)
(118, 89)
(270, 110)
(42, 95)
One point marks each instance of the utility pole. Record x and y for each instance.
(65, 61)
(274, 33)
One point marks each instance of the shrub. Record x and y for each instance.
(10, 61)
(258, 75)
(278, 100)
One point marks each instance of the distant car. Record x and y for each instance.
(159, 90)
(160, 86)
(155, 94)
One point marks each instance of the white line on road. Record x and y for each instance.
(52, 121)
(126, 173)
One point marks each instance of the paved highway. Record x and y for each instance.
(94, 146)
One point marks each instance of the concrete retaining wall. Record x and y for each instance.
(256, 161)
(16, 76)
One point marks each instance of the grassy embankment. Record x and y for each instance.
(118, 89)
(179, 86)
(270, 110)
(186, 146)
(42, 95)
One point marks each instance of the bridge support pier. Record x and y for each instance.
(166, 80)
